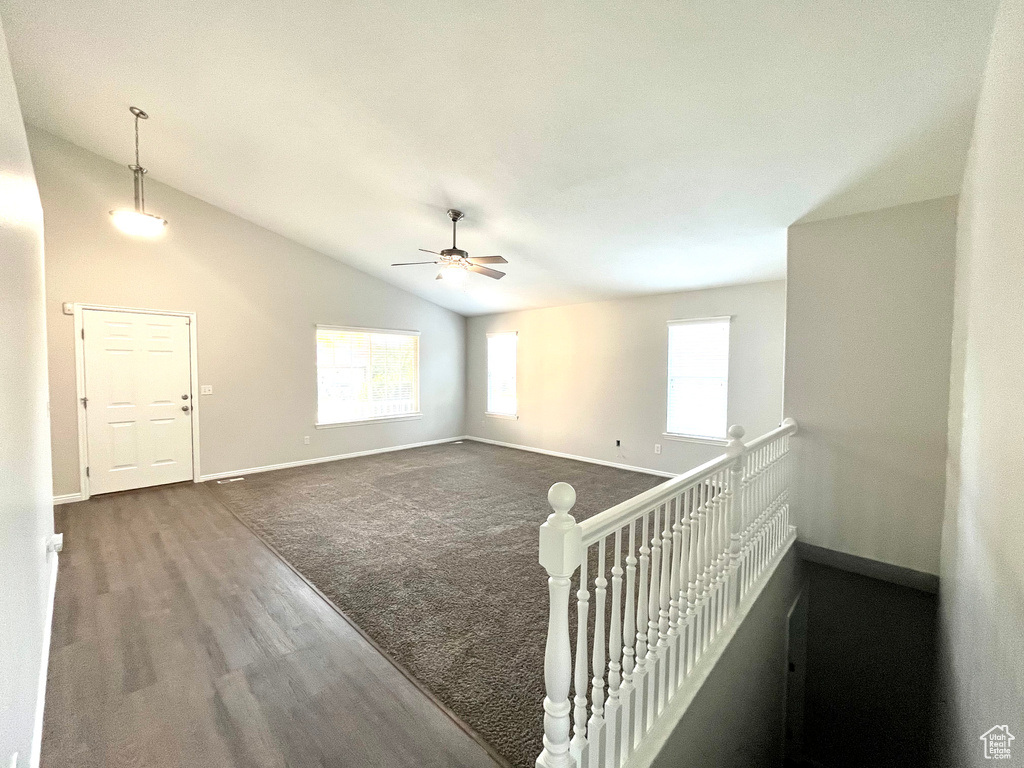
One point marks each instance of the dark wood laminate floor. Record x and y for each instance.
(180, 639)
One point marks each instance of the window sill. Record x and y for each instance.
(512, 416)
(378, 420)
(695, 439)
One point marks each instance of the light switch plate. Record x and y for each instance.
(67, 308)
(206, 389)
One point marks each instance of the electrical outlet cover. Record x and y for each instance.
(657, 447)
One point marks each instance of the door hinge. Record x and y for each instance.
(86, 471)
(83, 334)
(85, 402)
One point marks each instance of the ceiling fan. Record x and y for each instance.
(455, 262)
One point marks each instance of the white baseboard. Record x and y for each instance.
(68, 498)
(325, 459)
(560, 455)
(44, 662)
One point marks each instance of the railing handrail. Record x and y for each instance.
(788, 427)
(603, 523)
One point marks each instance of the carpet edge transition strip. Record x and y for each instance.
(418, 684)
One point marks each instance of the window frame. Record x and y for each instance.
(417, 414)
(487, 377)
(683, 436)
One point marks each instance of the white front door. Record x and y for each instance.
(138, 389)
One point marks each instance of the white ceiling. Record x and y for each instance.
(603, 148)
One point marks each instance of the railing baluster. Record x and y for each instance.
(691, 579)
(675, 646)
(759, 525)
(723, 549)
(702, 545)
(579, 716)
(654, 602)
(765, 505)
(596, 723)
(613, 714)
(628, 652)
(664, 595)
(752, 522)
(716, 562)
(735, 449)
(708, 528)
(642, 684)
(684, 584)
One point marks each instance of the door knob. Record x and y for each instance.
(184, 397)
(184, 408)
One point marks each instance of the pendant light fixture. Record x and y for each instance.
(138, 222)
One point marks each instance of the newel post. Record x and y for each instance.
(737, 513)
(560, 552)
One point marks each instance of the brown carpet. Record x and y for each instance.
(433, 553)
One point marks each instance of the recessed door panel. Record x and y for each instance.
(138, 385)
(124, 446)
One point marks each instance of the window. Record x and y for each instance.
(501, 374)
(364, 374)
(698, 377)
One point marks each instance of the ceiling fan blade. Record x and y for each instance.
(488, 260)
(433, 252)
(486, 271)
(411, 263)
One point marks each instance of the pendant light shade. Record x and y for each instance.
(136, 221)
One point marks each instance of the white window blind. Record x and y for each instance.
(501, 373)
(366, 374)
(698, 377)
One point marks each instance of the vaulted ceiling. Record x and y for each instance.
(603, 148)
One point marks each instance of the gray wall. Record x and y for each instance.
(869, 318)
(982, 586)
(737, 719)
(589, 374)
(26, 511)
(257, 297)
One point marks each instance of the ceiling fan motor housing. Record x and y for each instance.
(455, 253)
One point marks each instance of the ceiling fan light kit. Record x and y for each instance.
(455, 262)
(453, 273)
(137, 222)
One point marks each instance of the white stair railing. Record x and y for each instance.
(694, 551)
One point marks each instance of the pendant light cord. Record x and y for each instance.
(141, 171)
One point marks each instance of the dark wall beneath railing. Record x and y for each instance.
(869, 670)
(863, 685)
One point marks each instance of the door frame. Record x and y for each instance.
(83, 434)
